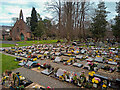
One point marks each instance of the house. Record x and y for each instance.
(20, 30)
(5, 32)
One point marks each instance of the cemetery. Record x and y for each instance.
(81, 66)
(60, 44)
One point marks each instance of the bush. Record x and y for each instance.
(9, 39)
(29, 39)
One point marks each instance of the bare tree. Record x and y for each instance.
(71, 17)
(56, 7)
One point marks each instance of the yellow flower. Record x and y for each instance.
(114, 60)
(109, 47)
(20, 77)
(69, 54)
(89, 73)
(63, 74)
(104, 86)
(24, 58)
(39, 56)
(96, 51)
(38, 68)
(4, 77)
(77, 51)
(20, 61)
(98, 56)
(93, 80)
(68, 61)
(72, 51)
(110, 59)
(96, 81)
(93, 72)
(34, 59)
(36, 86)
(60, 76)
(20, 51)
(117, 56)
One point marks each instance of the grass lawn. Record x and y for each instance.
(7, 45)
(29, 43)
(8, 62)
(39, 42)
(12, 45)
(118, 46)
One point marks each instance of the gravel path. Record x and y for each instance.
(44, 80)
(9, 42)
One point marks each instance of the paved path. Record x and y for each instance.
(44, 80)
(9, 42)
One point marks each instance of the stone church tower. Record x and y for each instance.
(20, 31)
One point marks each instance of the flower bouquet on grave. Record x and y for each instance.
(35, 59)
(83, 78)
(90, 54)
(44, 65)
(88, 85)
(79, 83)
(39, 56)
(91, 74)
(6, 50)
(75, 79)
(55, 70)
(104, 84)
(52, 58)
(91, 66)
(61, 78)
(29, 53)
(107, 68)
(104, 58)
(95, 64)
(110, 60)
(118, 68)
(82, 75)
(95, 82)
(83, 58)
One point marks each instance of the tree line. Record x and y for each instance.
(74, 20)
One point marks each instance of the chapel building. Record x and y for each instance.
(20, 31)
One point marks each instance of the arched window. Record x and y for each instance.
(17, 29)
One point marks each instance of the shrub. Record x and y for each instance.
(9, 39)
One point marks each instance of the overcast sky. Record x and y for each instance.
(11, 8)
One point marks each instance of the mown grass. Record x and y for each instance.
(12, 45)
(7, 45)
(118, 46)
(29, 43)
(39, 42)
(8, 62)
